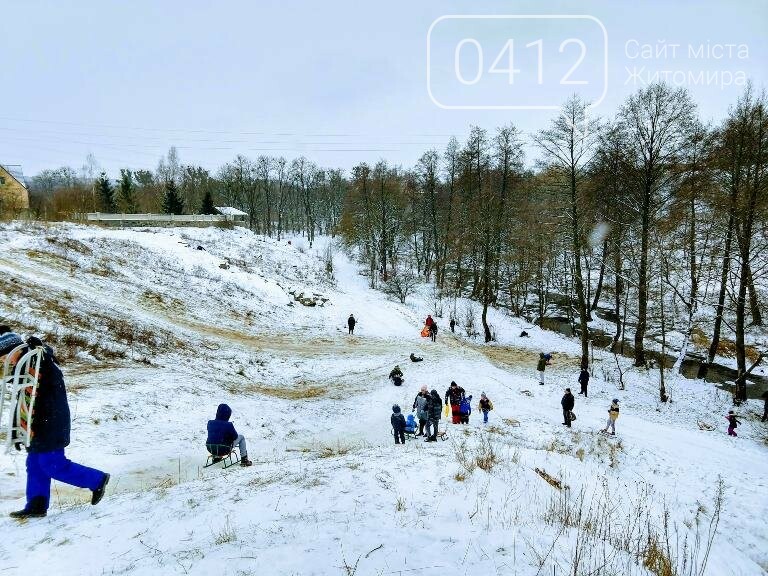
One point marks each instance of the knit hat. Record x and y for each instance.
(482, 395)
(615, 400)
(8, 342)
(396, 409)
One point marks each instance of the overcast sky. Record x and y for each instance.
(338, 81)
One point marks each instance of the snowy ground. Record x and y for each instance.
(158, 333)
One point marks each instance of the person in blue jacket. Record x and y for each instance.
(410, 424)
(465, 409)
(50, 433)
(222, 437)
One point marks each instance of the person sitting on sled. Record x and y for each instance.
(222, 437)
(396, 376)
(415, 358)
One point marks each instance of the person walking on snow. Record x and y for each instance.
(433, 331)
(420, 405)
(453, 325)
(222, 437)
(398, 424)
(396, 376)
(485, 406)
(765, 408)
(51, 424)
(435, 410)
(541, 366)
(453, 396)
(465, 409)
(732, 423)
(567, 403)
(584, 381)
(613, 415)
(351, 323)
(429, 321)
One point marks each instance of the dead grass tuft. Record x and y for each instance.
(300, 391)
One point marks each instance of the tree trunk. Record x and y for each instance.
(642, 281)
(600, 277)
(723, 284)
(754, 303)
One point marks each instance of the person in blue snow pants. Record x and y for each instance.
(50, 430)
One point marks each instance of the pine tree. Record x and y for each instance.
(127, 200)
(172, 202)
(208, 207)
(106, 193)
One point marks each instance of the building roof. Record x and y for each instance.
(229, 211)
(14, 170)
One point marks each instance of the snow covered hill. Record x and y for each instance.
(156, 327)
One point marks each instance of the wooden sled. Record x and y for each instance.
(18, 389)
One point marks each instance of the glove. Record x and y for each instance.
(17, 445)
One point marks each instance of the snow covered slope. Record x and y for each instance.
(155, 333)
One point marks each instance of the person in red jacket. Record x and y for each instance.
(453, 396)
(429, 321)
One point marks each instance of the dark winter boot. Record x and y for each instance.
(245, 462)
(98, 494)
(35, 508)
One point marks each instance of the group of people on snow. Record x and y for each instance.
(428, 406)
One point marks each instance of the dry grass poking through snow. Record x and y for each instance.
(299, 391)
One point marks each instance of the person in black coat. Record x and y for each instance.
(453, 396)
(435, 411)
(50, 434)
(398, 424)
(351, 324)
(765, 408)
(415, 358)
(567, 403)
(584, 381)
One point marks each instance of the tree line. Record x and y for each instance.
(651, 218)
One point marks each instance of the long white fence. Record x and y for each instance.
(106, 217)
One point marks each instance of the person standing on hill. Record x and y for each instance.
(398, 424)
(420, 405)
(541, 366)
(733, 421)
(433, 331)
(765, 407)
(485, 406)
(435, 410)
(429, 321)
(584, 381)
(453, 396)
(50, 431)
(453, 325)
(567, 403)
(613, 415)
(351, 323)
